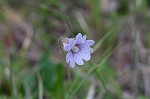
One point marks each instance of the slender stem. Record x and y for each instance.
(68, 71)
(68, 25)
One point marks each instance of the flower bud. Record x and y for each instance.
(65, 40)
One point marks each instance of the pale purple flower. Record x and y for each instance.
(78, 50)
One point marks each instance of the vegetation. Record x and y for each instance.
(32, 64)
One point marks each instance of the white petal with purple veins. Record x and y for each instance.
(78, 59)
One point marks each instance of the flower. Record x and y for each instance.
(78, 50)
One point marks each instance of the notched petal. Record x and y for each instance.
(89, 42)
(85, 48)
(79, 38)
(83, 38)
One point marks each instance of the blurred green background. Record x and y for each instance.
(32, 66)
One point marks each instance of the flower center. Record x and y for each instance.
(75, 49)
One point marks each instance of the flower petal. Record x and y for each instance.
(71, 59)
(83, 38)
(72, 63)
(69, 56)
(69, 46)
(72, 42)
(85, 55)
(79, 38)
(78, 59)
(89, 42)
(85, 48)
(90, 50)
